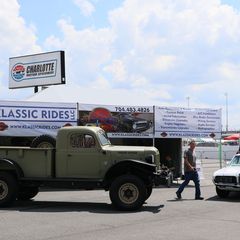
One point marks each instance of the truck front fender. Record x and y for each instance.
(141, 169)
(10, 165)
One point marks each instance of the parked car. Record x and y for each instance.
(130, 123)
(227, 179)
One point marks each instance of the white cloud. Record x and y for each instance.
(118, 71)
(163, 63)
(159, 93)
(164, 50)
(87, 51)
(54, 42)
(229, 71)
(138, 81)
(17, 38)
(86, 7)
(100, 83)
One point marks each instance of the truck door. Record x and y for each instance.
(83, 158)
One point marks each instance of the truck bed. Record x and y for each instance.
(34, 162)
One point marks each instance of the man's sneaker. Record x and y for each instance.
(178, 195)
(199, 198)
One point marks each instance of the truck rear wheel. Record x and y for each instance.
(26, 193)
(222, 193)
(43, 141)
(128, 192)
(8, 189)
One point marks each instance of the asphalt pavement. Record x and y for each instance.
(70, 215)
(89, 215)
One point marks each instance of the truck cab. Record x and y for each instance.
(87, 152)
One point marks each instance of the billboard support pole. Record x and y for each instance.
(35, 89)
(153, 126)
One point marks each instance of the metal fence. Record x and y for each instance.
(227, 152)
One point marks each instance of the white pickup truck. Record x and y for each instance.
(228, 179)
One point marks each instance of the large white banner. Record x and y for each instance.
(173, 122)
(119, 121)
(35, 118)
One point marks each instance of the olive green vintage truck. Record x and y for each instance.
(79, 158)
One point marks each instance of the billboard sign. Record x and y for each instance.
(37, 70)
(119, 121)
(174, 122)
(35, 118)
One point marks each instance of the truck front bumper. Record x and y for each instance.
(233, 188)
(161, 177)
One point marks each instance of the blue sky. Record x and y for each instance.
(233, 3)
(56, 9)
(166, 51)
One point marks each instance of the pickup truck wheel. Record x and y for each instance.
(26, 193)
(43, 141)
(222, 193)
(127, 192)
(8, 189)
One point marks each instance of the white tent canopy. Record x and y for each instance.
(73, 94)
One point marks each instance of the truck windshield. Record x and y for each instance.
(103, 138)
(235, 160)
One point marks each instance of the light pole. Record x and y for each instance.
(226, 95)
(188, 101)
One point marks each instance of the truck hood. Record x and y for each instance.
(140, 153)
(129, 149)
(228, 171)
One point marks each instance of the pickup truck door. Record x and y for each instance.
(84, 158)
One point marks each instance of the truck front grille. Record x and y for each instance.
(225, 179)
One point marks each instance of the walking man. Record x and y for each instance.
(190, 172)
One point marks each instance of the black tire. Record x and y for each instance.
(222, 193)
(8, 189)
(127, 192)
(27, 193)
(43, 141)
(148, 192)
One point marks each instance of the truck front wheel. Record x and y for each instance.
(8, 189)
(128, 192)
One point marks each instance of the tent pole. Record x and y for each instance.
(220, 151)
(35, 89)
